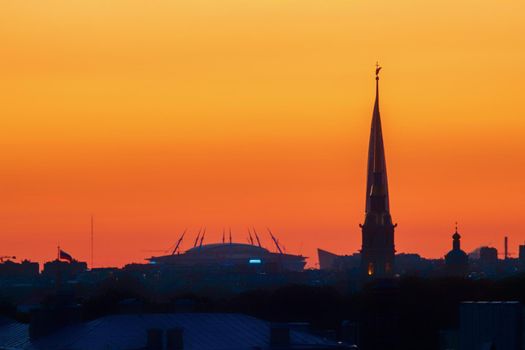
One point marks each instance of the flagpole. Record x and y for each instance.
(92, 242)
(58, 270)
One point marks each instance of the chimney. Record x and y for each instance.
(154, 341)
(175, 339)
(506, 247)
(279, 334)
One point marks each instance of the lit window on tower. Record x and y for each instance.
(370, 269)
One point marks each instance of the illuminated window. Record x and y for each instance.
(255, 261)
(370, 269)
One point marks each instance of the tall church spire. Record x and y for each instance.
(377, 182)
(377, 252)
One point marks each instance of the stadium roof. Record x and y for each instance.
(227, 247)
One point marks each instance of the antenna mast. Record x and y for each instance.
(92, 244)
(257, 238)
(250, 238)
(197, 239)
(275, 241)
(202, 238)
(178, 242)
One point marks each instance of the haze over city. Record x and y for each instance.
(160, 116)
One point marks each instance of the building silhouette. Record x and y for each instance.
(62, 271)
(232, 256)
(333, 262)
(26, 270)
(488, 256)
(521, 256)
(456, 260)
(169, 331)
(491, 325)
(488, 263)
(377, 252)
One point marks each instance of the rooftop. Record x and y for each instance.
(202, 331)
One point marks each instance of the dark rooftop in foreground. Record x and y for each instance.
(201, 331)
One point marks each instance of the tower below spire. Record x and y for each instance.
(377, 253)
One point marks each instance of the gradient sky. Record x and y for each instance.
(161, 115)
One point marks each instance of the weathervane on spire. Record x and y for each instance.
(378, 68)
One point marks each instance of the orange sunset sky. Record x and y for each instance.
(161, 115)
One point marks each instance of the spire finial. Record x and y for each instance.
(378, 68)
(456, 227)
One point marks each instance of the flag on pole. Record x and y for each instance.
(62, 255)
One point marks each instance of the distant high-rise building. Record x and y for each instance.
(377, 252)
(522, 256)
(488, 255)
(488, 261)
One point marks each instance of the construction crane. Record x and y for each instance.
(275, 241)
(7, 257)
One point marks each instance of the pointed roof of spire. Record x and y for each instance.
(456, 234)
(376, 156)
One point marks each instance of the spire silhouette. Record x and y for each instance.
(378, 249)
(377, 182)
